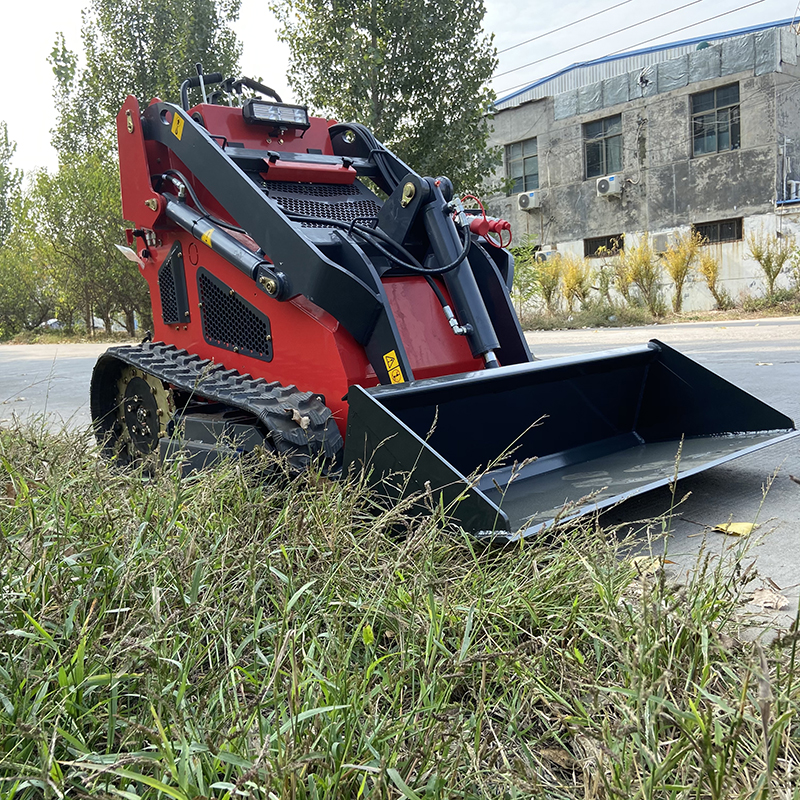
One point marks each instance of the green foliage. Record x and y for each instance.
(10, 180)
(596, 314)
(24, 297)
(678, 259)
(416, 74)
(613, 273)
(771, 252)
(28, 295)
(525, 286)
(78, 214)
(782, 301)
(221, 637)
(140, 47)
(62, 259)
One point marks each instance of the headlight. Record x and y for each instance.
(278, 115)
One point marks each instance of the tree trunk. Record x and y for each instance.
(87, 318)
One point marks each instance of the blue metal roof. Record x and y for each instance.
(655, 49)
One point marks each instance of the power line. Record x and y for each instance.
(639, 44)
(564, 27)
(599, 38)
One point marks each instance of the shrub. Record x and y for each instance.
(548, 280)
(771, 252)
(613, 272)
(576, 280)
(678, 259)
(639, 266)
(525, 285)
(708, 267)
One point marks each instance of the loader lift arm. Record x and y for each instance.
(354, 296)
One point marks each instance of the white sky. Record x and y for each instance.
(28, 33)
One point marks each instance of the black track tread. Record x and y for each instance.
(272, 403)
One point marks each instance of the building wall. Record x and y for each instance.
(665, 189)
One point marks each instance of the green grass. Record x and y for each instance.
(45, 336)
(595, 316)
(225, 637)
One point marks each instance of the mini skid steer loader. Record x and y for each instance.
(314, 295)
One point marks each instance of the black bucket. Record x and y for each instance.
(513, 449)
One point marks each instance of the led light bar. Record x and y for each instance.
(278, 115)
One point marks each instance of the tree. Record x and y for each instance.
(576, 280)
(79, 216)
(708, 267)
(142, 47)
(415, 73)
(10, 180)
(27, 289)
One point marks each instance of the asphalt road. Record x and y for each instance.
(762, 357)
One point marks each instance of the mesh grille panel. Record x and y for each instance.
(231, 322)
(313, 190)
(344, 212)
(169, 298)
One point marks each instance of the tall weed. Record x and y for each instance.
(772, 253)
(708, 267)
(678, 259)
(640, 267)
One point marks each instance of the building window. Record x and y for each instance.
(522, 166)
(602, 146)
(725, 230)
(715, 120)
(603, 245)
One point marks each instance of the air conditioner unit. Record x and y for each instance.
(527, 201)
(609, 185)
(545, 255)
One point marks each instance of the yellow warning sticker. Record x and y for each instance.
(177, 126)
(393, 367)
(206, 238)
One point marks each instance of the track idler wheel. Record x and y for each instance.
(131, 410)
(144, 412)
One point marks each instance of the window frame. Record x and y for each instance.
(727, 120)
(738, 232)
(528, 178)
(610, 147)
(615, 243)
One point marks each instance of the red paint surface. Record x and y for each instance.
(310, 349)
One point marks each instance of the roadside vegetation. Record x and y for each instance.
(635, 285)
(224, 636)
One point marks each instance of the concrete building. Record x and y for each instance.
(701, 134)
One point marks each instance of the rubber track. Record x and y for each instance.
(273, 404)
